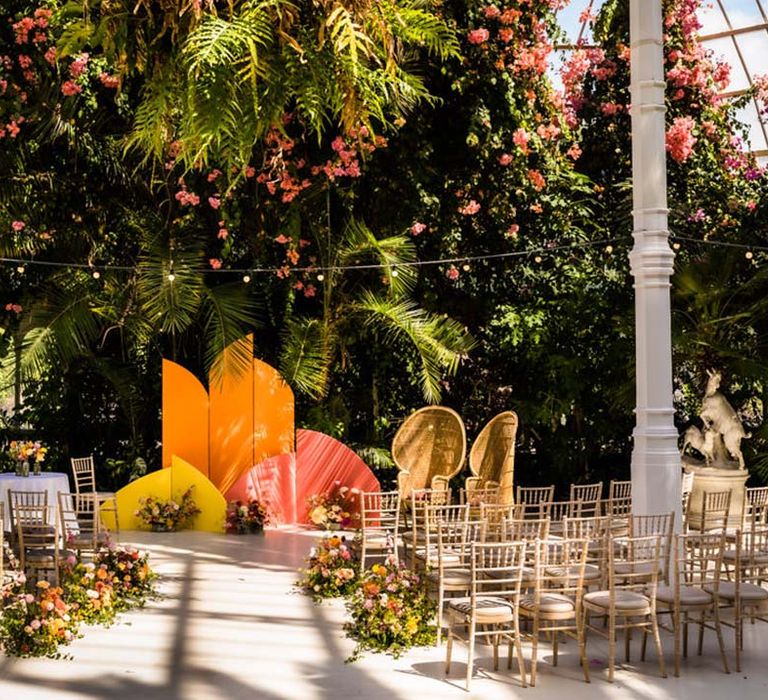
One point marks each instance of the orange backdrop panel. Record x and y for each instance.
(185, 417)
(273, 427)
(321, 461)
(231, 427)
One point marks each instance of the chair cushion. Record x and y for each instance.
(749, 591)
(689, 595)
(591, 572)
(488, 610)
(449, 558)
(452, 577)
(549, 603)
(642, 569)
(625, 600)
(729, 555)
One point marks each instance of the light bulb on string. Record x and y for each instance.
(320, 277)
(395, 273)
(676, 245)
(171, 277)
(609, 249)
(96, 274)
(466, 267)
(21, 269)
(247, 278)
(749, 255)
(537, 259)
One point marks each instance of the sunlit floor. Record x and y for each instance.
(231, 626)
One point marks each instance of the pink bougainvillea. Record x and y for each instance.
(680, 139)
(478, 36)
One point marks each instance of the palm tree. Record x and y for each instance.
(354, 308)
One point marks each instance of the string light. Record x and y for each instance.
(676, 245)
(466, 267)
(96, 274)
(395, 273)
(246, 278)
(609, 249)
(749, 255)
(537, 259)
(20, 269)
(320, 277)
(171, 277)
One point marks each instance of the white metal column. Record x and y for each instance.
(655, 457)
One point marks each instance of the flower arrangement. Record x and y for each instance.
(27, 451)
(133, 579)
(88, 589)
(336, 509)
(391, 611)
(331, 570)
(167, 516)
(35, 623)
(246, 518)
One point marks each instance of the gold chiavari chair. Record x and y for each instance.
(713, 514)
(492, 608)
(379, 525)
(38, 540)
(630, 600)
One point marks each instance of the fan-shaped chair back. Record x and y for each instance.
(492, 457)
(430, 443)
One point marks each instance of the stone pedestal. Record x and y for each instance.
(718, 479)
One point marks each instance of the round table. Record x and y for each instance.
(50, 482)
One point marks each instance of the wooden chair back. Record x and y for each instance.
(661, 525)
(84, 474)
(713, 514)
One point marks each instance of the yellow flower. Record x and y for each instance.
(379, 569)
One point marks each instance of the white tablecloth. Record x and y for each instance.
(52, 482)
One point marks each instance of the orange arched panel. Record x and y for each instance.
(231, 425)
(320, 462)
(185, 417)
(273, 427)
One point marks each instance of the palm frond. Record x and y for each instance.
(305, 359)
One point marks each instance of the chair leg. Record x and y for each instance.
(555, 640)
(676, 624)
(448, 649)
(701, 632)
(519, 646)
(720, 640)
(581, 633)
(470, 652)
(627, 642)
(611, 644)
(659, 648)
(440, 603)
(737, 635)
(534, 648)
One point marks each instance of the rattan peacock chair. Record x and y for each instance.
(429, 448)
(492, 457)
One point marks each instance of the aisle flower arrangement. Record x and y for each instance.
(35, 623)
(38, 622)
(391, 611)
(167, 516)
(337, 509)
(331, 569)
(246, 518)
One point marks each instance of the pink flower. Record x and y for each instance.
(521, 138)
(18, 225)
(418, 228)
(77, 66)
(505, 159)
(491, 11)
(109, 81)
(70, 88)
(470, 209)
(751, 205)
(213, 174)
(310, 290)
(537, 180)
(574, 151)
(512, 231)
(250, 171)
(452, 273)
(478, 36)
(680, 139)
(215, 263)
(698, 215)
(282, 239)
(214, 202)
(223, 233)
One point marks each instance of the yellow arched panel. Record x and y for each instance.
(273, 426)
(156, 484)
(185, 417)
(231, 425)
(207, 497)
(171, 483)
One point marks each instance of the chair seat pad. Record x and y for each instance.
(42, 555)
(749, 591)
(548, 603)
(689, 595)
(409, 538)
(642, 569)
(591, 572)
(448, 558)
(729, 555)
(451, 577)
(528, 574)
(488, 610)
(625, 600)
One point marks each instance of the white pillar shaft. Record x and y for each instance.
(655, 457)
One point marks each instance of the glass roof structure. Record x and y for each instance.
(734, 30)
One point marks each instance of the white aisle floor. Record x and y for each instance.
(230, 626)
